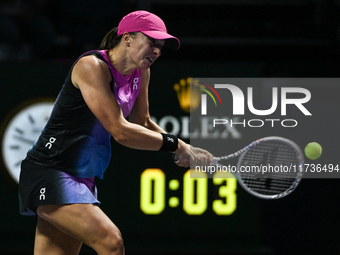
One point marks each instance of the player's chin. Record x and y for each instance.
(147, 63)
(144, 66)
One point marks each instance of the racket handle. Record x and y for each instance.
(214, 161)
(175, 158)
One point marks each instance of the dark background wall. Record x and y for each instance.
(39, 40)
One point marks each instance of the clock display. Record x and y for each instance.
(195, 193)
(156, 203)
(21, 133)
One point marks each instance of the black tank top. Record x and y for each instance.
(73, 139)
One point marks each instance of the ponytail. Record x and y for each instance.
(110, 40)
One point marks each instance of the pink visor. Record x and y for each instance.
(150, 25)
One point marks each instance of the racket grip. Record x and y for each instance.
(215, 161)
(175, 158)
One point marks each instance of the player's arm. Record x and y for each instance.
(140, 112)
(93, 78)
(140, 115)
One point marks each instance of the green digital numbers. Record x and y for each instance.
(152, 191)
(227, 191)
(195, 193)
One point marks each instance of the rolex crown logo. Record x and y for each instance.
(188, 98)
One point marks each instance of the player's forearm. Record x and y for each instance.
(150, 124)
(137, 137)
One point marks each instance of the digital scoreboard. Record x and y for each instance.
(159, 208)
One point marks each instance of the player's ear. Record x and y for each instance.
(127, 39)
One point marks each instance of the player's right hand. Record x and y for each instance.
(187, 155)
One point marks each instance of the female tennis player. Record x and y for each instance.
(102, 89)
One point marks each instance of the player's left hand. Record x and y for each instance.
(200, 157)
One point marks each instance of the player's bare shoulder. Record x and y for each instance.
(90, 68)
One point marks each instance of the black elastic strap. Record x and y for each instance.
(170, 143)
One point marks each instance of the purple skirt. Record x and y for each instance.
(40, 185)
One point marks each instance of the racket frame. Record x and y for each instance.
(243, 152)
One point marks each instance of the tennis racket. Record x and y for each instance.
(268, 168)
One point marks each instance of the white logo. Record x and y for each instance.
(238, 100)
(42, 194)
(135, 83)
(170, 139)
(51, 141)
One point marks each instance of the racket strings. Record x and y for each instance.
(270, 168)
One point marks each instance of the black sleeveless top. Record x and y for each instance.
(73, 139)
